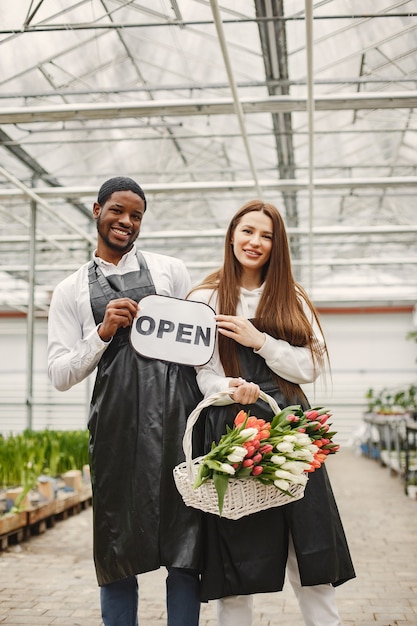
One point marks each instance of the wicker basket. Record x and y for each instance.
(244, 496)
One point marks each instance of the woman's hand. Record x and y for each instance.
(241, 330)
(244, 392)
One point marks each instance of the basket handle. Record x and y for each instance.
(194, 415)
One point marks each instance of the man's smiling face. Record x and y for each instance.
(118, 224)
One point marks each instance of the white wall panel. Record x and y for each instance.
(367, 349)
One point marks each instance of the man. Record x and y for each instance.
(137, 416)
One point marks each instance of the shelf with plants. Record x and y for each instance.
(400, 401)
(44, 476)
(389, 412)
(390, 428)
(410, 462)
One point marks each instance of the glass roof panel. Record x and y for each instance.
(207, 113)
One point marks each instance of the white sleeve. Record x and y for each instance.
(293, 363)
(182, 281)
(71, 355)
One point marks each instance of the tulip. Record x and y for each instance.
(300, 479)
(226, 468)
(247, 463)
(240, 417)
(237, 454)
(263, 434)
(283, 474)
(248, 433)
(302, 439)
(293, 418)
(303, 455)
(278, 460)
(290, 438)
(295, 467)
(284, 485)
(257, 470)
(250, 449)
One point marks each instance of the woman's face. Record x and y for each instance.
(252, 240)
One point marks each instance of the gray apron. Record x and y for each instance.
(137, 419)
(249, 555)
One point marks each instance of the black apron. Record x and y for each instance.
(249, 555)
(137, 419)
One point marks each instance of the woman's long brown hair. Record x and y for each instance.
(280, 312)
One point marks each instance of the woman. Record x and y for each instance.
(269, 338)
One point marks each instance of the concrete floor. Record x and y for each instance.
(50, 580)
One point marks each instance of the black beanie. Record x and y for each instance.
(119, 183)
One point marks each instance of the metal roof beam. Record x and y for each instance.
(35, 167)
(43, 205)
(215, 233)
(221, 106)
(346, 80)
(46, 27)
(222, 186)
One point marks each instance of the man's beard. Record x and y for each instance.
(114, 245)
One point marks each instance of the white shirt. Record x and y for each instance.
(74, 345)
(292, 363)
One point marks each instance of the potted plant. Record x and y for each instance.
(411, 400)
(387, 401)
(412, 487)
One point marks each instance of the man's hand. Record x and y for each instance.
(119, 313)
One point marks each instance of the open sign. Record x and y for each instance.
(170, 329)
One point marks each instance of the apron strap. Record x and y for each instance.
(133, 285)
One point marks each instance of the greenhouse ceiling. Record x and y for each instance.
(306, 104)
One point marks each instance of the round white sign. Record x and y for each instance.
(170, 329)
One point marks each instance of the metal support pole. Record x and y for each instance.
(310, 114)
(233, 86)
(31, 316)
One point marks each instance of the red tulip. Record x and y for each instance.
(247, 463)
(256, 470)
